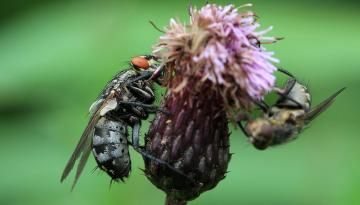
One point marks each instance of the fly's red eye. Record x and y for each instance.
(140, 62)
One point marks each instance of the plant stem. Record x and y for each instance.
(171, 201)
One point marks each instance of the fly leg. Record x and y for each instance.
(245, 117)
(144, 153)
(289, 86)
(155, 76)
(149, 108)
(284, 93)
(145, 94)
(243, 129)
(261, 104)
(282, 70)
(136, 136)
(143, 76)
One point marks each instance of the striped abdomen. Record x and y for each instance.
(110, 148)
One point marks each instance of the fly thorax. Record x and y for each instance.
(126, 76)
(259, 128)
(297, 114)
(261, 132)
(281, 116)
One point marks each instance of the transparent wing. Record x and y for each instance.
(315, 112)
(84, 157)
(83, 142)
(83, 148)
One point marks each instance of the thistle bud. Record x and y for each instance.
(195, 140)
(215, 66)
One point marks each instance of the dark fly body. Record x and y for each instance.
(283, 121)
(110, 148)
(126, 100)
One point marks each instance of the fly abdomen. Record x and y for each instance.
(110, 148)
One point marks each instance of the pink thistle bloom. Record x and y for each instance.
(222, 45)
(215, 67)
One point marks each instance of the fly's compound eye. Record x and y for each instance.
(140, 62)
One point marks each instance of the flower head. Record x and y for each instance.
(220, 45)
(214, 65)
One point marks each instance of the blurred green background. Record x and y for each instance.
(55, 56)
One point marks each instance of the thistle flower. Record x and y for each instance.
(220, 45)
(215, 66)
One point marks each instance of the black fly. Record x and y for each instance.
(284, 120)
(125, 101)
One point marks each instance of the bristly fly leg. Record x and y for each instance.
(286, 72)
(144, 94)
(150, 108)
(144, 75)
(243, 129)
(244, 117)
(261, 104)
(155, 76)
(284, 93)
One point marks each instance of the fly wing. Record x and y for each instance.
(83, 142)
(311, 115)
(84, 145)
(84, 157)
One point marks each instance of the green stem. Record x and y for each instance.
(172, 201)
